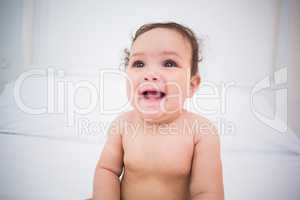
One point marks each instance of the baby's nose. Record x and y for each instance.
(151, 77)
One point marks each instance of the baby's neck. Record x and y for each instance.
(164, 120)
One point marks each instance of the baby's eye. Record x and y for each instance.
(170, 63)
(138, 64)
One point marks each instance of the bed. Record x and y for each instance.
(52, 155)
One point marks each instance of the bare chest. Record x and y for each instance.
(155, 154)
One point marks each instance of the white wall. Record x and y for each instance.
(10, 39)
(239, 35)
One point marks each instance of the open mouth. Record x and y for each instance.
(153, 94)
(150, 93)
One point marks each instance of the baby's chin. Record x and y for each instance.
(156, 115)
(150, 114)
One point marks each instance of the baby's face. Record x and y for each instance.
(159, 70)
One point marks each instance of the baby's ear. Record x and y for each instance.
(194, 84)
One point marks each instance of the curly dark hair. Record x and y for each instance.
(183, 30)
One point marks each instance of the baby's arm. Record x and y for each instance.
(206, 176)
(109, 168)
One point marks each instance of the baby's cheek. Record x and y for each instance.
(130, 88)
(175, 98)
(179, 88)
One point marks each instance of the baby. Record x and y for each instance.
(159, 150)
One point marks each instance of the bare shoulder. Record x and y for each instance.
(196, 116)
(124, 116)
(203, 129)
(118, 124)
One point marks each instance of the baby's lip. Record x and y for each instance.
(151, 89)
